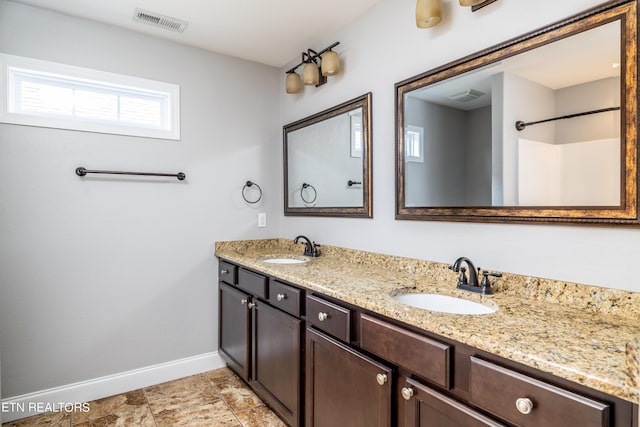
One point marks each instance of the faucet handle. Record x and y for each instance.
(315, 252)
(462, 279)
(485, 278)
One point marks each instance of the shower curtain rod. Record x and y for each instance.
(520, 125)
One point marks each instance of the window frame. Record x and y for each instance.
(420, 132)
(12, 66)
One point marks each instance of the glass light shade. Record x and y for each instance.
(428, 13)
(330, 63)
(310, 74)
(293, 83)
(471, 2)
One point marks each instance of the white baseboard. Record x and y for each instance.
(26, 405)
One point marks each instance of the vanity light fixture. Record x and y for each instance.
(429, 12)
(468, 3)
(293, 83)
(317, 66)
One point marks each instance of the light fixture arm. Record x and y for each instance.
(311, 56)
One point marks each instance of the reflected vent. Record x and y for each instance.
(158, 20)
(466, 96)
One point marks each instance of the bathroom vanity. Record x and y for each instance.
(323, 343)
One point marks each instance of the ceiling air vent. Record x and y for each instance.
(158, 20)
(466, 96)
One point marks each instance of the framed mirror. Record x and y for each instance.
(327, 162)
(541, 128)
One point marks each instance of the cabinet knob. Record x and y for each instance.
(407, 393)
(381, 378)
(251, 305)
(524, 405)
(224, 271)
(243, 301)
(280, 297)
(322, 316)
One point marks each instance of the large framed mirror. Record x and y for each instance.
(541, 128)
(327, 162)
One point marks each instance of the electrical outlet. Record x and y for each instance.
(262, 219)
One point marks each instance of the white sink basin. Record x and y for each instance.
(284, 260)
(444, 304)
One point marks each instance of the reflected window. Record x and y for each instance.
(414, 139)
(356, 134)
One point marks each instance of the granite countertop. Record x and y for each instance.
(581, 333)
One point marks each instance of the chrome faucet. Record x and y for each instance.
(310, 248)
(471, 284)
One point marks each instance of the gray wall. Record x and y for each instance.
(586, 97)
(441, 179)
(100, 275)
(384, 47)
(456, 170)
(479, 157)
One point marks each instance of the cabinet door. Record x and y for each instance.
(234, 329)
(425, 407)
(342, 387)
(276, 360)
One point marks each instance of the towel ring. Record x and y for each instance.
(250, 184)
(315, 193)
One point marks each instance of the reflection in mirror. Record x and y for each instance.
(533, 125)
(327, 162)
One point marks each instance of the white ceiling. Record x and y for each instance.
(271, 32)
(582, 58)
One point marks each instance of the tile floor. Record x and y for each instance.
(215, 398)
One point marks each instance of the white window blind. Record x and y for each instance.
(40, 93)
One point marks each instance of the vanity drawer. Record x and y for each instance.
(497, 389)
(227, 273)
(253, 283)
(425, 357)
(285, 297)
(329, 317)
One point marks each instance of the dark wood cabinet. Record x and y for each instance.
(320, 362)
(528, 402)
(276, 360)
(344, 387)
(235, 329)
(261, 343)
(422, 406)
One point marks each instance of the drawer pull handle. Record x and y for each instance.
(224, 271)
(322, 316)
(280, 297)
(251, 305)
(407, 393)
(524, 405)
(243, 301)
(381, 378)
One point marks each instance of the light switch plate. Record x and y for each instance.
(262, 219)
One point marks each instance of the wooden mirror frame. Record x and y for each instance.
(364, 211)
(627, 212)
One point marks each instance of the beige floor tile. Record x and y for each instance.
(215, 398)
(237, 395)
(211, 414)
(220, 375)
(195, 390)
(139, 417)
(259, 417)
(120, 404)
(51, 419)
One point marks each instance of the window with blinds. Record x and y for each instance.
(40, 93)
